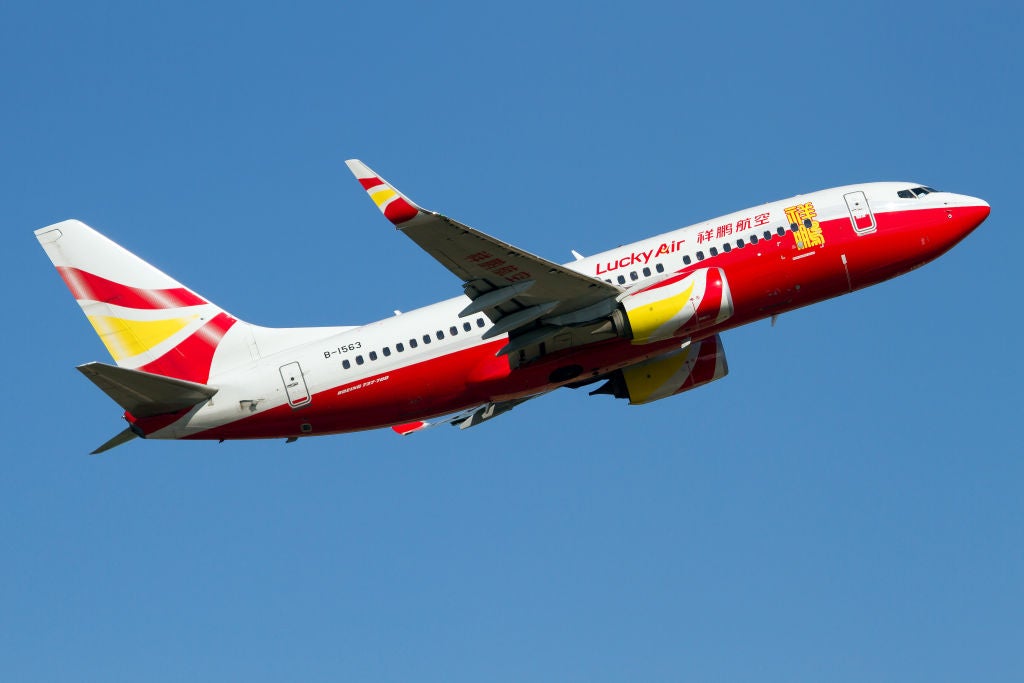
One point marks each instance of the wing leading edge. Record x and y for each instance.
(529, 297)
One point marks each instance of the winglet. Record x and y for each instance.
(395, 206)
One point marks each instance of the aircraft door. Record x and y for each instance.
(295, 385)
(861, 217)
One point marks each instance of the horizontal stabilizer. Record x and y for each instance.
(123, 437)
(144, 394)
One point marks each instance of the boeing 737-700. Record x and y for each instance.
(641, 322)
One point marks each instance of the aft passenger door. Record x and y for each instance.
(295, 385)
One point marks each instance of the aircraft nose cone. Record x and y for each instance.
(964, 215)
(976, 212)
(983, 210)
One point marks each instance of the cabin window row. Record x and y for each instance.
(413, 343)
(700, 255)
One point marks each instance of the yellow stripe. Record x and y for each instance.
(126, 338)
(646, 319)
(646, 379)
(381, 196)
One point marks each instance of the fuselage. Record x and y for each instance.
(430, 361)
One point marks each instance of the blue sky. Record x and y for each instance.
(845, 506)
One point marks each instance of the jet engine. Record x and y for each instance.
(687, 368)
(674, 307)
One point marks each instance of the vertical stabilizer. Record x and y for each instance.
(147, 320)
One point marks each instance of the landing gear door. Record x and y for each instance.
(295, 385)
(861, 218)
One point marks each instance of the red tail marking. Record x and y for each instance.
(84, 285)
(191, 359)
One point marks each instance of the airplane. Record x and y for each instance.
(642, 321)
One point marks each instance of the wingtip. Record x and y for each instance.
(359, 169)
(395, 206)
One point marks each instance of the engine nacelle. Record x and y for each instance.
(675, 307)
(664, 376)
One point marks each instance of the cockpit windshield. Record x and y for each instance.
(915, 192)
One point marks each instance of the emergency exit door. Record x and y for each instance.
(295, 385)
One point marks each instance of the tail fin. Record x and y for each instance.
(147, 320)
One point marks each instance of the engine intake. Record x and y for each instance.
(675, 307)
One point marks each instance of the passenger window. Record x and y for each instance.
(466, 327)
(660, 268)
(700, 255)
(739, 243)
(412, 344)
(768, 235)
(647, 271)
(453, 330)
(373, 355)
(713, 251)
(479, 322)
(400, 347)
(426, 339)
(753, 239)
(633, 276)
(359, 360)
(621, 279)
(686, 259)
(782, 231)
(346, 364)
(440, 335)
(386, 351)
(727, 247)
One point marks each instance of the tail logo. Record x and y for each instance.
(172, 332)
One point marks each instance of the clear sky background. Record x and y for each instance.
(845, 506)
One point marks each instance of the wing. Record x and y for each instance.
(530, 298)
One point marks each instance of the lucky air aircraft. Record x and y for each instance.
(644, 318)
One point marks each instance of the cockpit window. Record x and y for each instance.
(915, 192)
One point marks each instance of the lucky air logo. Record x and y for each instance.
(806, 230)
(640, 257)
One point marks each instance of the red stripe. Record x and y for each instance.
(191, 359)
(399, 211)
(86, 286)
(367, 183)
(409, 428)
